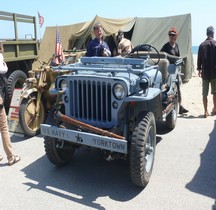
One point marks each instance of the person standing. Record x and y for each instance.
(124, 46)
(172, 48)
(12, 159)
(206, 66)
(97, 46)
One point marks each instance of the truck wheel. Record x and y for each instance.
(142, 149)
(15, 80)
(57, 155)
(30, 120)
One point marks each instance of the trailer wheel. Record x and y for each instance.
(15, 80)
(142, 149)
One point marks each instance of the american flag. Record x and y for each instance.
(40, 19)
(58, 49)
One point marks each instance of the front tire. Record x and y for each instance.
(30, 121)
(142, 149)
(55, 153)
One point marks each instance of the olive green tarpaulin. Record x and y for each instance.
(152, 31)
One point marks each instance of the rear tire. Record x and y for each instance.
(142, 149)
(171, 118)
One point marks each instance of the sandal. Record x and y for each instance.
(15, 159)
(1, 157)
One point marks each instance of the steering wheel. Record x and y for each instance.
(150, 50)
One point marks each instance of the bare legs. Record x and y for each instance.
(205, 105)
(214, 102)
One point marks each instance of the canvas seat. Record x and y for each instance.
(163, 67)
(163, 62)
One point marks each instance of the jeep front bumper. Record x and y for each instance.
(84, 138)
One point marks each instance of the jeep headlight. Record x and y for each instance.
(119, 91)
(63, 85)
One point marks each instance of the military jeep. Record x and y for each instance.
(113, 104)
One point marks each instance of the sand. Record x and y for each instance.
(192, 96)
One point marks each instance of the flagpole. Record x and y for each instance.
(41, 22)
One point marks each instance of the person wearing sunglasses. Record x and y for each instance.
(172, 48)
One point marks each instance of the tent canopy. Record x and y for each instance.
(153, 31)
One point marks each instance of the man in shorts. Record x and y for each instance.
(206, 66)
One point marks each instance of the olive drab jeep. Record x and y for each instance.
(113, 104)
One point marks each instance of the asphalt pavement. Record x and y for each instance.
(183, 178)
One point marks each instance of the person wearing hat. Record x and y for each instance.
(12, 159)
(172, 48)
(124, 46)
(97, 46)
(206, 66)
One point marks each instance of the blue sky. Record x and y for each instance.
(68, 12)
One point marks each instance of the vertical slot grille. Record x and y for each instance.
(91, 100)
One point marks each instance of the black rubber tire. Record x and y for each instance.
(30, 121)
(171, 118)
(142, 149)
(57, 156)
(15, 80)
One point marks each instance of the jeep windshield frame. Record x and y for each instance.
(109, 64)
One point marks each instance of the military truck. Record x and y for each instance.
(19, 52)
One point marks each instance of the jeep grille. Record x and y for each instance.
(91, 100)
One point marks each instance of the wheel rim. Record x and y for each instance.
(33, 119)
(149, 154)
